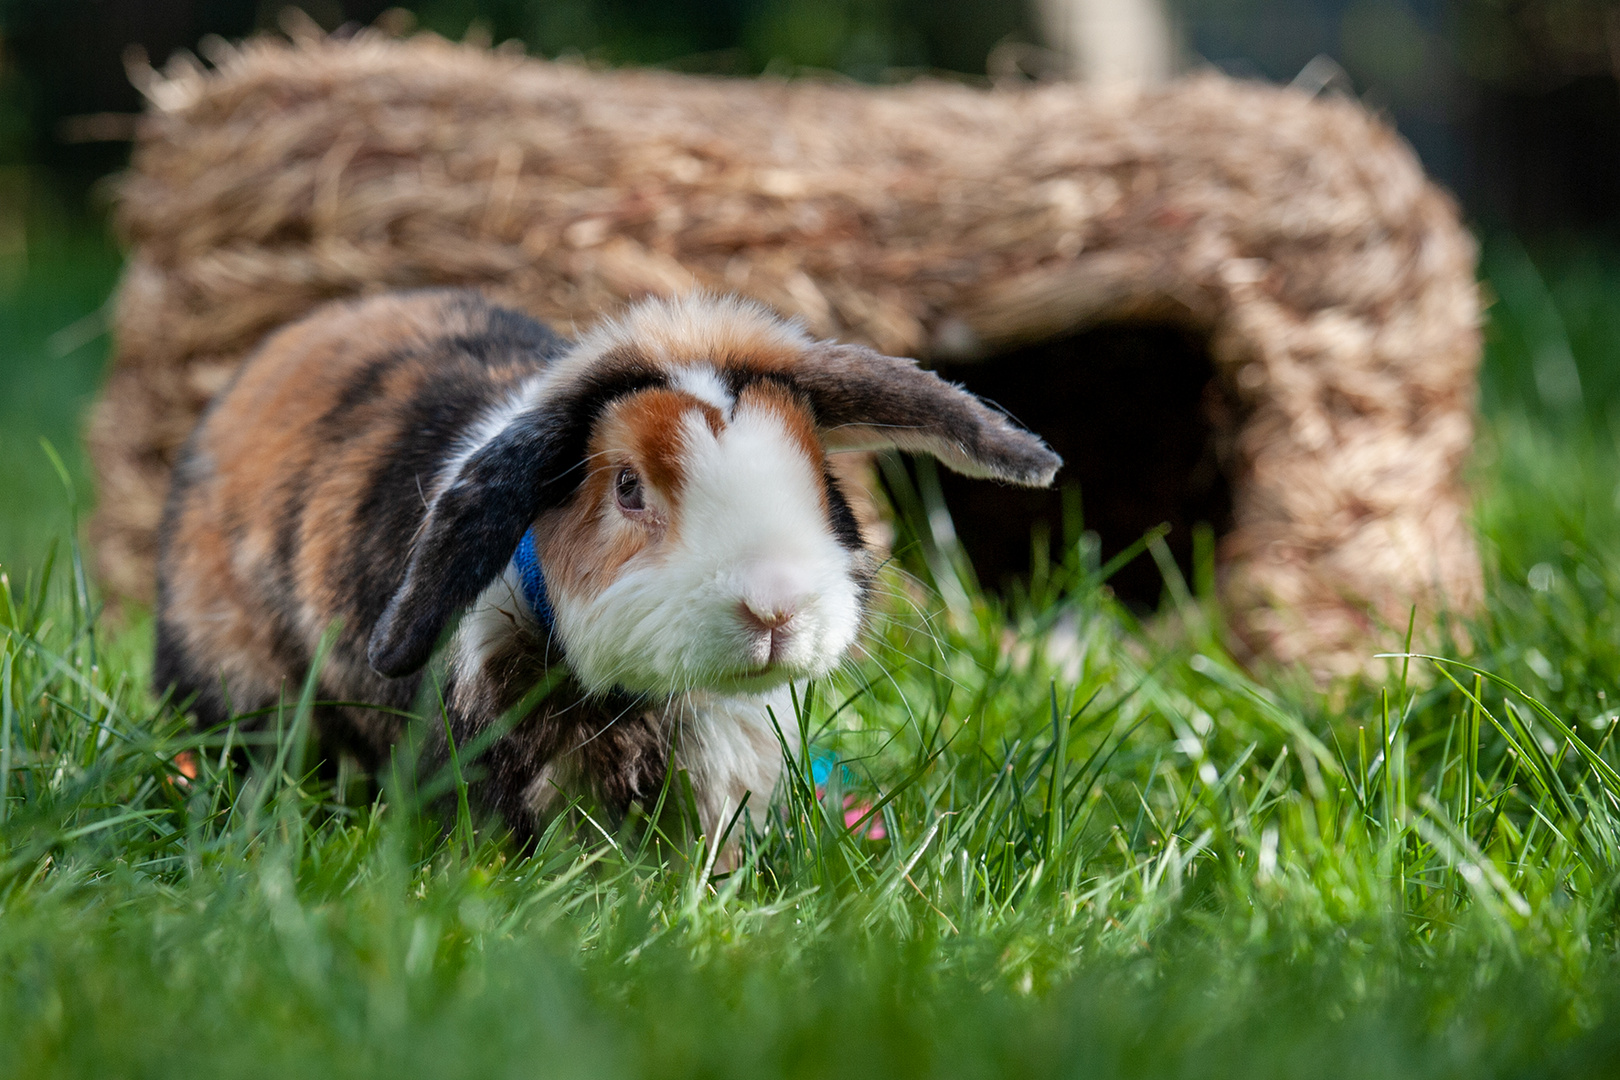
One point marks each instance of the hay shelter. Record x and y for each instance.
(1222, 301)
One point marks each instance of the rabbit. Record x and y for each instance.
(643, 519)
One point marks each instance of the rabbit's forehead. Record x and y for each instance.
(766, 455)
(703, 382)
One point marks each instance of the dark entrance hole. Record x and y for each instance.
(1133, 409)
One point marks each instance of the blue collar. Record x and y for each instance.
(527, 563)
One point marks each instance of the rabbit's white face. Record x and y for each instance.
(708, 548)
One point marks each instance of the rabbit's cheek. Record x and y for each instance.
(585, 545)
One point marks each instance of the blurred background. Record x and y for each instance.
(1512, 104)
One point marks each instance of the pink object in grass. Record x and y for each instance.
(854, 811)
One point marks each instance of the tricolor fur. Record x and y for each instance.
(376, 465)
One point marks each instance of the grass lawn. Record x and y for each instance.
(1126, 857)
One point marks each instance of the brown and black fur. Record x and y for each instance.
(615, 747)
(294, 503)
(335, 484)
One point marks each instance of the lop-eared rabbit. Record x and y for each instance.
(649, 507)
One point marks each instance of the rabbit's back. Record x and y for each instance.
(297, 499)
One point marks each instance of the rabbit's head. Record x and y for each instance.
(673, 467)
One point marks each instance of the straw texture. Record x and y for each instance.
(934, 220)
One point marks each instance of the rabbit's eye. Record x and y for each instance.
(627, 490)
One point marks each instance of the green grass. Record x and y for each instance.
(1121, 857)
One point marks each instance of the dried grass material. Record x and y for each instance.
(934, 220)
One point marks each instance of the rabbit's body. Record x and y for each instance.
(377, 465)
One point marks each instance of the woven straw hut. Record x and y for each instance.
(1224, 302)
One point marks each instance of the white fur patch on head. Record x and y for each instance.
(751, 532)
(705, 384)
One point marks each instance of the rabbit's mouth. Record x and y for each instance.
(771, 673)
(768, 643)
(766, 676)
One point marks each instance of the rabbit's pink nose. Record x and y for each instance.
(772, 596)
(765, 617)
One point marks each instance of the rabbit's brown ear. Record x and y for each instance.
(865, 400)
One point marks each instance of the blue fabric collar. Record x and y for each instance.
(527, 563)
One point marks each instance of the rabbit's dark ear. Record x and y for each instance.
(474, 525)
(471, 530)
(867, 401)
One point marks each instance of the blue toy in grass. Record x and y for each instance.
(855, 810)
(822, 763)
